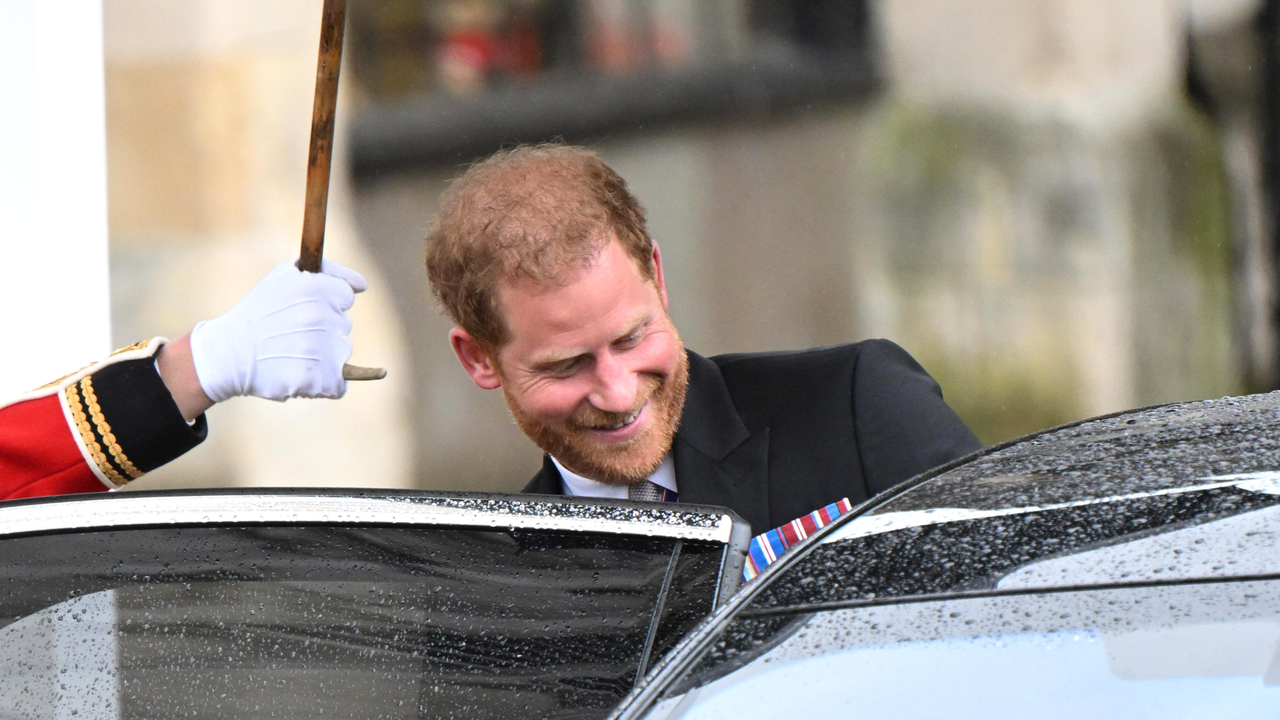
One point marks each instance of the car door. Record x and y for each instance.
(309, 604)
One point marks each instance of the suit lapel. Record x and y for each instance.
(718, 460)
(547, 481)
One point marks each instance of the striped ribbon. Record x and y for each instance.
(767, 547)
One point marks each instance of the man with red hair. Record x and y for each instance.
(541, 257)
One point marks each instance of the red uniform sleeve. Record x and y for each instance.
(38, 455)
(94, 430)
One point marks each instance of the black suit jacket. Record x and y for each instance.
(775, 436)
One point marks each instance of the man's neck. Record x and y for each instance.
(575, 485)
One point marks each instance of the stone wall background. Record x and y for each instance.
(208, 114)
(1033, 205)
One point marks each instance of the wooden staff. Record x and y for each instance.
(320, 158)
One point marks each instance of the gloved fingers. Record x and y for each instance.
(337, 292)
(287, 337)
(354, 279)
(332, 385)
(306, 362)
(281, 378)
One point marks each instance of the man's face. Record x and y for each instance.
(594, 372)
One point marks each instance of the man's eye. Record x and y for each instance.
(631, 339)
(563, 368)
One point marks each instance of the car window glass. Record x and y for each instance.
(1183, 651)
(690, 597)
(335, 621)
(61, 662)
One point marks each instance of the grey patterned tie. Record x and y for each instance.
(644, 490)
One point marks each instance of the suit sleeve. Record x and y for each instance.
(94, 430)
(903, 426)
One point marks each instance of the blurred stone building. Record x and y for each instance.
(1050, 213)
(1023, 193)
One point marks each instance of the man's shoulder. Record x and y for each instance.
(831, 358)
(807, 386)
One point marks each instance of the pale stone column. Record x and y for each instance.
(1040, 228)
(53, 193)
(1090, 61)
(208, 114)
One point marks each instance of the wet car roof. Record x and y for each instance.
(1159, 448)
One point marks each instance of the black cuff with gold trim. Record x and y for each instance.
(129, 421)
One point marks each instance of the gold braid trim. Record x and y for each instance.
(86, 436)
(130, 348)
(91, 399)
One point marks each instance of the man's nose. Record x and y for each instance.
(615, 387)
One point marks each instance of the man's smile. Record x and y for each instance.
(624, 428)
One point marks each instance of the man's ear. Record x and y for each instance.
(474, 360)
(657, 274)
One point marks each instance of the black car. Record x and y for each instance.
(1127, 566)
(1122, 567)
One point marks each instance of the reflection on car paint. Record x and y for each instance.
(1181, 651)
(875, 523)
(284, 506)
(1049, 676)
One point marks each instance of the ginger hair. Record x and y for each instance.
(535, 212)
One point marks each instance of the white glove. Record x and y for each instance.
(286, 338)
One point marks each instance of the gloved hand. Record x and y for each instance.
(286, 338)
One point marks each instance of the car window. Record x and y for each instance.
(1179, 651)
(339, 621)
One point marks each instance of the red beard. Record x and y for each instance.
(621, 463)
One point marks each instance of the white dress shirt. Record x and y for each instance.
(574, 484)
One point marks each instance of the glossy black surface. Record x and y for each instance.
(693, 585)
(976, 554)
(363, 622)
(1102, 482)
(1141, 451)
(1179, 651)
(1151, 504)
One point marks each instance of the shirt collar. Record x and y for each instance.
(576, 485)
